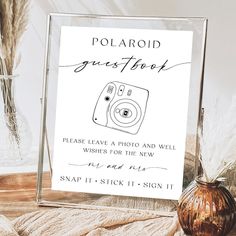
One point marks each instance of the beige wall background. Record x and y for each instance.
(220, 68)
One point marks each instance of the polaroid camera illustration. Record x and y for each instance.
(122, 107)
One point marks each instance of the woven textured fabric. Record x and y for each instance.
(75, 222)
(6, 227)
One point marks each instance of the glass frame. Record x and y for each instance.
(45, 196)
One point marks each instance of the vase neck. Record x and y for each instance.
(206, 184)
(8, 77)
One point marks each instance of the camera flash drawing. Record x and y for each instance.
(121, 107)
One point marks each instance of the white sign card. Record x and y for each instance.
(121, 114)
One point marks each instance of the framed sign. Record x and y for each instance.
(120, 110)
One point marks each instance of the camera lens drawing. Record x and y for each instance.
(125, 113)
(122, 107)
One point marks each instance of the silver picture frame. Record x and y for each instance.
(45, 196)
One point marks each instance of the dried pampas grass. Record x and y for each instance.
(218, 142)
(13, 21)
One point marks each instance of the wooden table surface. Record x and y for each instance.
(17, 196)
